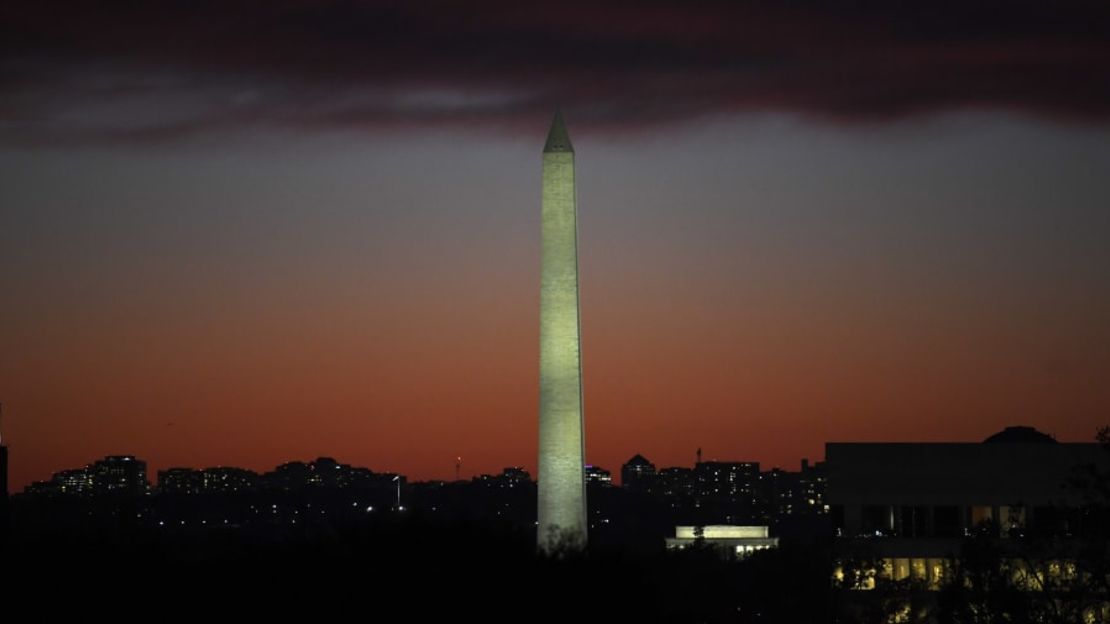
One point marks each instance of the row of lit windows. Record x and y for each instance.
(934, 572)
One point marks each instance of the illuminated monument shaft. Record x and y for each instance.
(562, 486)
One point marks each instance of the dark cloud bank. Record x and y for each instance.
(148, 70)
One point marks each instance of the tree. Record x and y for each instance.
(1060, 577)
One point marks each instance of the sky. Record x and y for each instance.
(244, 232)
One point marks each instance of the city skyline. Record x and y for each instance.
(802, 463)
(311, 230)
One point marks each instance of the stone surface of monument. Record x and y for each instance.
(561, 480)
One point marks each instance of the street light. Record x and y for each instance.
(397, 479)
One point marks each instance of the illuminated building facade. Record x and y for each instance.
(732, 540)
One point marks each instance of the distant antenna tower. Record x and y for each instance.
(458, 468)
(699, 454)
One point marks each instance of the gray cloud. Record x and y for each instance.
(160, 70)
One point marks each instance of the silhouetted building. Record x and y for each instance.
(119, 474)
(1024, 435)
(113, 475)
(733, 481)
(785, 493)
(40, 488)
(3, 493)
(229, 479)
(912, 503)
(513, 476)
(812, 483)
(780, 491)
(180, 481)
(637, 473)
(676, 481)
(3, 473)
(3, 482)
(598, 476)
(210, 480)
(290, 477)
(77, 481)
(324, 473)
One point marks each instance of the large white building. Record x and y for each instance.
(738, 541)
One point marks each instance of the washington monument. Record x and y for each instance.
(562, 486)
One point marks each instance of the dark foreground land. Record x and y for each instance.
(411, 568)
(403, 566)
